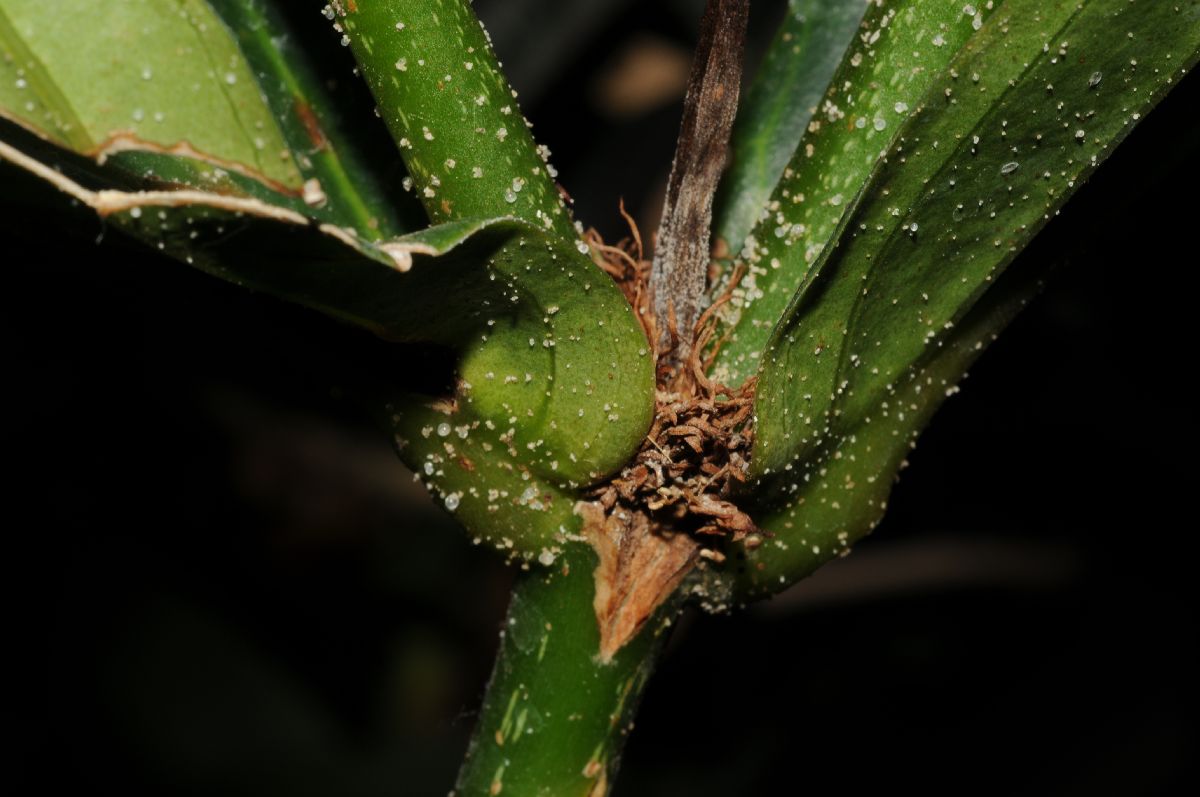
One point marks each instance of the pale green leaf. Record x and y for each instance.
(205, 95)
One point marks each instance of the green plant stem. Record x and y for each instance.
(554, 721)
(452, 113)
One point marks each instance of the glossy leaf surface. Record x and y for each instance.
(168, 94)
(1030, 105)
(775, 111)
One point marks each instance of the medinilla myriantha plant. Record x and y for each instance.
(705, 414)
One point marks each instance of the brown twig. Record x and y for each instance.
(681, 253)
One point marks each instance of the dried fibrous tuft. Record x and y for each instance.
(673, 504)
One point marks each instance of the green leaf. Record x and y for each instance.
(236, 229)
(841, 492)
(327, 145)
(885, 72)
(778, 106)
(1032, 103)
(159, 73)
(555, 378)
(163, 92)
(554, 372)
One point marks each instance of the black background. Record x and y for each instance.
(221, 582)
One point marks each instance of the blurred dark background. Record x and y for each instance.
(222, 582)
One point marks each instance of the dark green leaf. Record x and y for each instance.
(554, 372)
(850, 477)
(778, 106)
(1024, 112)
(887, 70)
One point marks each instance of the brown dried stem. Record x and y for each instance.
(681, 253)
